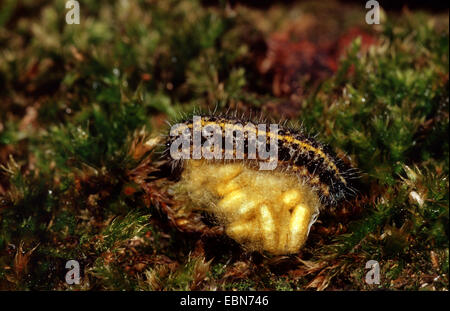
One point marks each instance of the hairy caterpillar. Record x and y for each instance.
(270, 210)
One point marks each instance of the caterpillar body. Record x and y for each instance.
(267, 210)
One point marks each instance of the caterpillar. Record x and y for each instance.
(268, 210)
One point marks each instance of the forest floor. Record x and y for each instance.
(79, 105)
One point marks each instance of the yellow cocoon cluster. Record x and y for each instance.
(263, 210)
